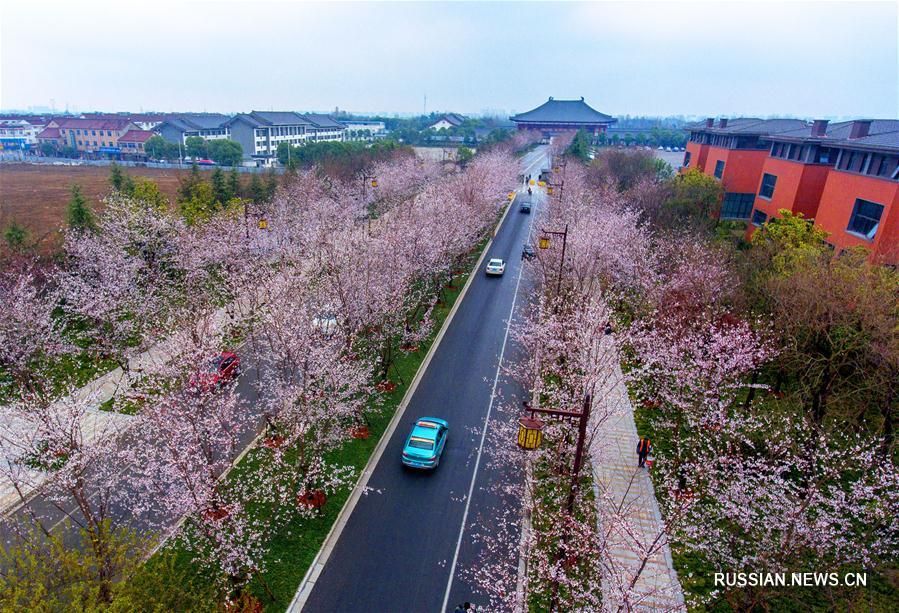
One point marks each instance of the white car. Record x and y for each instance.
(495, 267)
(325, 324)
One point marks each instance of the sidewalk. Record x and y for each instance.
(97, 423)
(628, 514)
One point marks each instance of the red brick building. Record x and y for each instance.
(734, 151)
(859, 204)
(843, 176)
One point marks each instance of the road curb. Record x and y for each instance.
(321, 558)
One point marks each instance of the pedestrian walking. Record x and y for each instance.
(459, 609)
(643, 449)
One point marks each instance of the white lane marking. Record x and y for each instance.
(477, 463)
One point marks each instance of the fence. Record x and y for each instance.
(21, 158)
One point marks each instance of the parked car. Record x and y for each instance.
(220, 370)
(495, 267)
(205, 162)
(527, 252)
(525, 207)
(425, 444)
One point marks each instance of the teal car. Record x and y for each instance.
(425, 443)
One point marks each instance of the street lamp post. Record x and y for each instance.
(544, 244)
(583, 417)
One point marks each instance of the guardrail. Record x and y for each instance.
(18, 158)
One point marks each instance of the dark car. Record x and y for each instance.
(525, 207)
(528, 253)
(220, 370)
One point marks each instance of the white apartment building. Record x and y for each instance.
(364, 129)
(20, 133)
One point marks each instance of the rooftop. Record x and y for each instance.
(564, 111)
(323, 121)
(882, 133)
(453, 118)
(110, 123)
(750, 125)
(197, 121)
(136, 136)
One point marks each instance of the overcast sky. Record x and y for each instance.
(818, 59)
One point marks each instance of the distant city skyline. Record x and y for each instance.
(655, 59)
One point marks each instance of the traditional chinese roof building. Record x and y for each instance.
(554, 116)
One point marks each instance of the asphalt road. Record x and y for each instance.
(406, 547)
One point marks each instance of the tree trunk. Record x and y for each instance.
(819, 398)
(889, 435)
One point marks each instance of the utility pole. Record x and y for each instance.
(579, 452)
(564, 236)
(583, 418)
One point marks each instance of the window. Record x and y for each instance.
(767, 189)
(737, 206)
(865, 218)
(759, 217)
(719, 169)
(856, 160)
(94, 132)
(686, 159)
(825, 155)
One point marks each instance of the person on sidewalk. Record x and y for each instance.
(643, 449)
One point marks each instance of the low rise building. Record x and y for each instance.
(131, 144)
(450, 120)
(843, 177)
(19, 132)
(364, 129)
(177, 128)
(144, 121)
(260, 132)
(90, 137)
(859, 204)
(557, 116)
(734, 151)
(324, 128)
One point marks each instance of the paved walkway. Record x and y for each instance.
(628, 514)
(96, 423)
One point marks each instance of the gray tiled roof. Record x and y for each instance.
(323, 121)
(453, 118)
(197, 121)
(751, 125)
(564, 111)
(883, 133)
(279, 118)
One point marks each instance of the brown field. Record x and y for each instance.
(35, 195)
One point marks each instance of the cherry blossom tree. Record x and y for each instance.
(28, 328)
(69, 442)
(118, 282)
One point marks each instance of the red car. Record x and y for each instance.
(221, 370)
